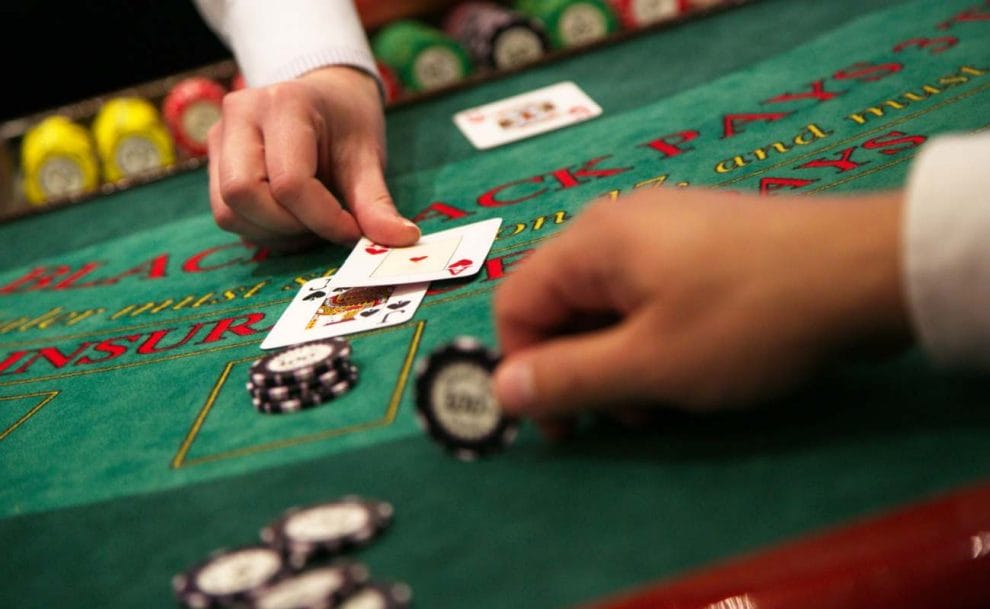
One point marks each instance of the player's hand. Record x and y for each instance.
(696, 299)
(302, 158)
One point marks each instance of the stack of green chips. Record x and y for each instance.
(571, 23)
(424, 57)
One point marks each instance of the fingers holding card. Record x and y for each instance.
(457, 252)
(380, 286)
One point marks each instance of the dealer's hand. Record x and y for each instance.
(700, 299)
(305, 157)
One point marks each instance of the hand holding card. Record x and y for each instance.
(457, 252)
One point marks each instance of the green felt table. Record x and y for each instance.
(129, 448)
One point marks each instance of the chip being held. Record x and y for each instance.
(454, 400)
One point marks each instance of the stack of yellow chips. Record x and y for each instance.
(58, 160)
(131, 139)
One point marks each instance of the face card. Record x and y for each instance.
(526, 115)
(449, 254)
(322, 311)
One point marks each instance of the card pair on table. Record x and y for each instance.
(379, 286)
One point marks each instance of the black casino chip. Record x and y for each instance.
(329, 378)
(299, 364)
(317, 588)
(326, 530)
(295, 397)
(496, 36)
(229, 577)
(454, 400)
(380, 595)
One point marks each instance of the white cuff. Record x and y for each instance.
(947, 249)
(277, 41)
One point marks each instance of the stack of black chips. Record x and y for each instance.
(302, 376)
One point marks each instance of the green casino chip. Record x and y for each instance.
(571, 23)
(424, 57)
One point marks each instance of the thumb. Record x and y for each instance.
(568, 374)
(368, 198)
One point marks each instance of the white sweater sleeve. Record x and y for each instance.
(947, 250)
(279, 40)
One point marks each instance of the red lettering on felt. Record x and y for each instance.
(732, 122)
(866, 72)
(569, 179)
(496, 268)
(110, 348)
(442, 210)
(940, 44)
(152, 269)
(12, 359)
(769, 185)
(489, 199)
(150, 345)
(967, 16)
(672, 144)
(36, 279)
(54, 356)
(844, 163)
(195, 263)
(893, 146)
(817, 92)
(243, 328)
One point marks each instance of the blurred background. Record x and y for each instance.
(61, 51)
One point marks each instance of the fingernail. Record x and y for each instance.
(410, 224)
(514, 387)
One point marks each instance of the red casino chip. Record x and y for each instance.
(393, 88)
(635, 14)
(190, 109)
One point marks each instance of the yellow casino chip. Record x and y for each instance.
(131, 138)
(58, 160)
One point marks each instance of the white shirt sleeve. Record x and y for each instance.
(279, 40)
(947, 249)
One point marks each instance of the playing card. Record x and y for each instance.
(457, 252)
(322, 311)
(526, 115)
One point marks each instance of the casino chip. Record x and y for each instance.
(131, 138)
(229, 576)
(300, 363)
(380, 595)
(424, 57)
(327, 529)
(191, 107)
(496, 37)
(572, 23)
(320, 588)
(390, 82)
(302, 376)
(454, 400)
(58, 160)
(640, 13)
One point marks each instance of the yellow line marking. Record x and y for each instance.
(51, 395)
(180, 459)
